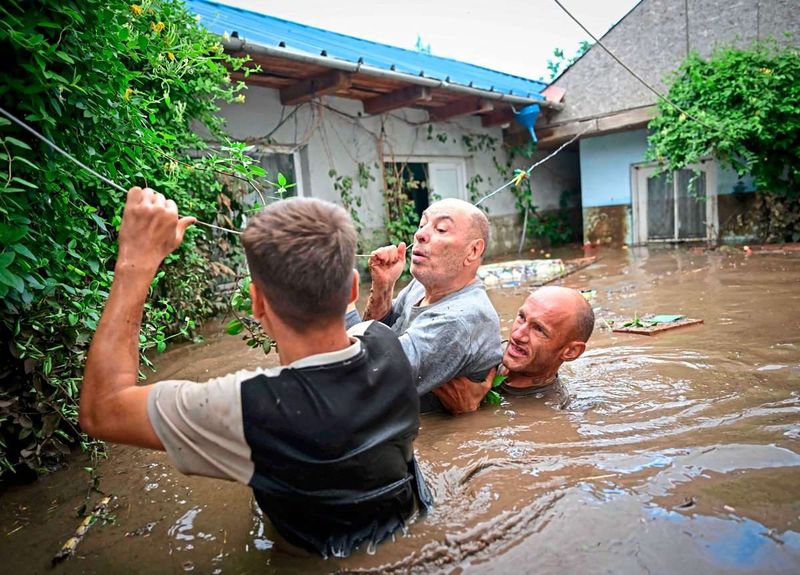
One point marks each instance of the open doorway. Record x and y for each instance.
(424, 182)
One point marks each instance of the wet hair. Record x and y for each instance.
(301, 254)
(584, 322)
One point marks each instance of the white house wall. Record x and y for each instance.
(331, 135)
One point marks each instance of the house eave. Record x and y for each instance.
(241, 46)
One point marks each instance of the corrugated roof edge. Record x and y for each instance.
(539, 85)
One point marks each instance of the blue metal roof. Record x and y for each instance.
(267, 30)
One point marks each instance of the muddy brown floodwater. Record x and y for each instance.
(679, 453)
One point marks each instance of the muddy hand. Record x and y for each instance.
(462, 395)
(151, 228)
(386, 264)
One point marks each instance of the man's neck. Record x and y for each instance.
(524, 380)
(293, 346)
(436, 293)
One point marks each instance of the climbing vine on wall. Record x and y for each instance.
(744, 109)
(553, 228)
(402, 219)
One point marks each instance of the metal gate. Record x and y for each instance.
(671, 207)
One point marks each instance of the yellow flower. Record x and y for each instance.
(157, 28)
(240, 98)
(766, 71)
(128, 93)
(171, 56)
(136, 9)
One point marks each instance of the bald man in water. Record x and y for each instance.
(446, 324)
(552, 326)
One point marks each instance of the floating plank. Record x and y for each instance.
(533, 273)
(465, 107)
(653, 330)
(319, 85)
(403, 98)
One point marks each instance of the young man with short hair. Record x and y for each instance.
(324, 440)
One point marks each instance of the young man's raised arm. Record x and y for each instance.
(113, 407)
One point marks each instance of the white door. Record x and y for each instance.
(447, 180)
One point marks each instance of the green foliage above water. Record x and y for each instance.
(122, 87)
(748, 106)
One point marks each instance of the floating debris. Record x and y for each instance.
(142, 531)
(530, 272)
(687, 504)
(68, 549)
(653, 324)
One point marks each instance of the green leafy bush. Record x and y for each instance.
(126, 88)
(748, 106)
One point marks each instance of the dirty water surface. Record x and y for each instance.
(677, 453)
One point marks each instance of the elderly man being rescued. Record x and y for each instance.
(446, 323)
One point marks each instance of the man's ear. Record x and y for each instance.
(262, 310)
(354, 287)
(573, 350)
(475, 252)
(256, 300)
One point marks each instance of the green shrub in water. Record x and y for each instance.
(122, 87)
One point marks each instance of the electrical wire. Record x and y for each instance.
(631, 72)
(97, 175)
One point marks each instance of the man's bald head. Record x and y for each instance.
(448, 245)
(552, 326)
(573, 305)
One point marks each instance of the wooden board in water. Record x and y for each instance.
(653, 330)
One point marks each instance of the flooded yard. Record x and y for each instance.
(678, 453)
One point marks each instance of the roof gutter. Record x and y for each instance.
(240, 45)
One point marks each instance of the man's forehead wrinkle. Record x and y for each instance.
(543, 311)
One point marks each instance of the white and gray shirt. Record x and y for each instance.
(459, 335)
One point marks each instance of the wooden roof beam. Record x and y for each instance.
(304, 90)
(465, 107)
(497, 117)
(403, 98)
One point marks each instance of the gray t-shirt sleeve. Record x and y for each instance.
(200, 425)
(437, 346)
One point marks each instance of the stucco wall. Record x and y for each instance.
(605, 167)
(559, 174)
(655, 37)
(333, 136)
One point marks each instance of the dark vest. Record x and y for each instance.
(332, 447)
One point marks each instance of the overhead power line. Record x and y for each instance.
(644, 82)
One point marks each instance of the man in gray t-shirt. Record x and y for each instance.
(446, 323)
